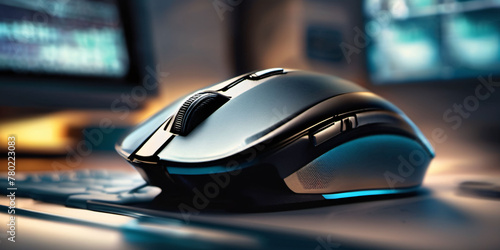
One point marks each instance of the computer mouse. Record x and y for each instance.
(278, 136)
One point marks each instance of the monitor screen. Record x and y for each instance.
(431, 40)
(62, 37)
(61, 54)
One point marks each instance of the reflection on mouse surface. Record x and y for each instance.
(279, 136)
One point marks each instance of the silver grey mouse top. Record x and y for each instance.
(255, 103)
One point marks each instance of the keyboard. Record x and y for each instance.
(77, 188)
(121, 199)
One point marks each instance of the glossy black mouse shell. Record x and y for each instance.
(279, 136)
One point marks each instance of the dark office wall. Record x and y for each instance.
(191, 43)
(218, 39)
(299, 34)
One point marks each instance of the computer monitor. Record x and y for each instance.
(61, 54)
(431, 41)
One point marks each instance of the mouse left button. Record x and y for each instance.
(152, 145)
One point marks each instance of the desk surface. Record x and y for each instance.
(440, 217)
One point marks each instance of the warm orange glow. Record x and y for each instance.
(45, 134)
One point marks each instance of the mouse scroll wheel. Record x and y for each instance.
(195, 110)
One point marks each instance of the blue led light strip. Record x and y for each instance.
(368, 193)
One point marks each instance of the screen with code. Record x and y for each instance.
(62, 37)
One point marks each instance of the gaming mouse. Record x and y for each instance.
(279, 136)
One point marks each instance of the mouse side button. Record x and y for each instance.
(325, 134)
(348, 123)
(373, 117)
(333, 129)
